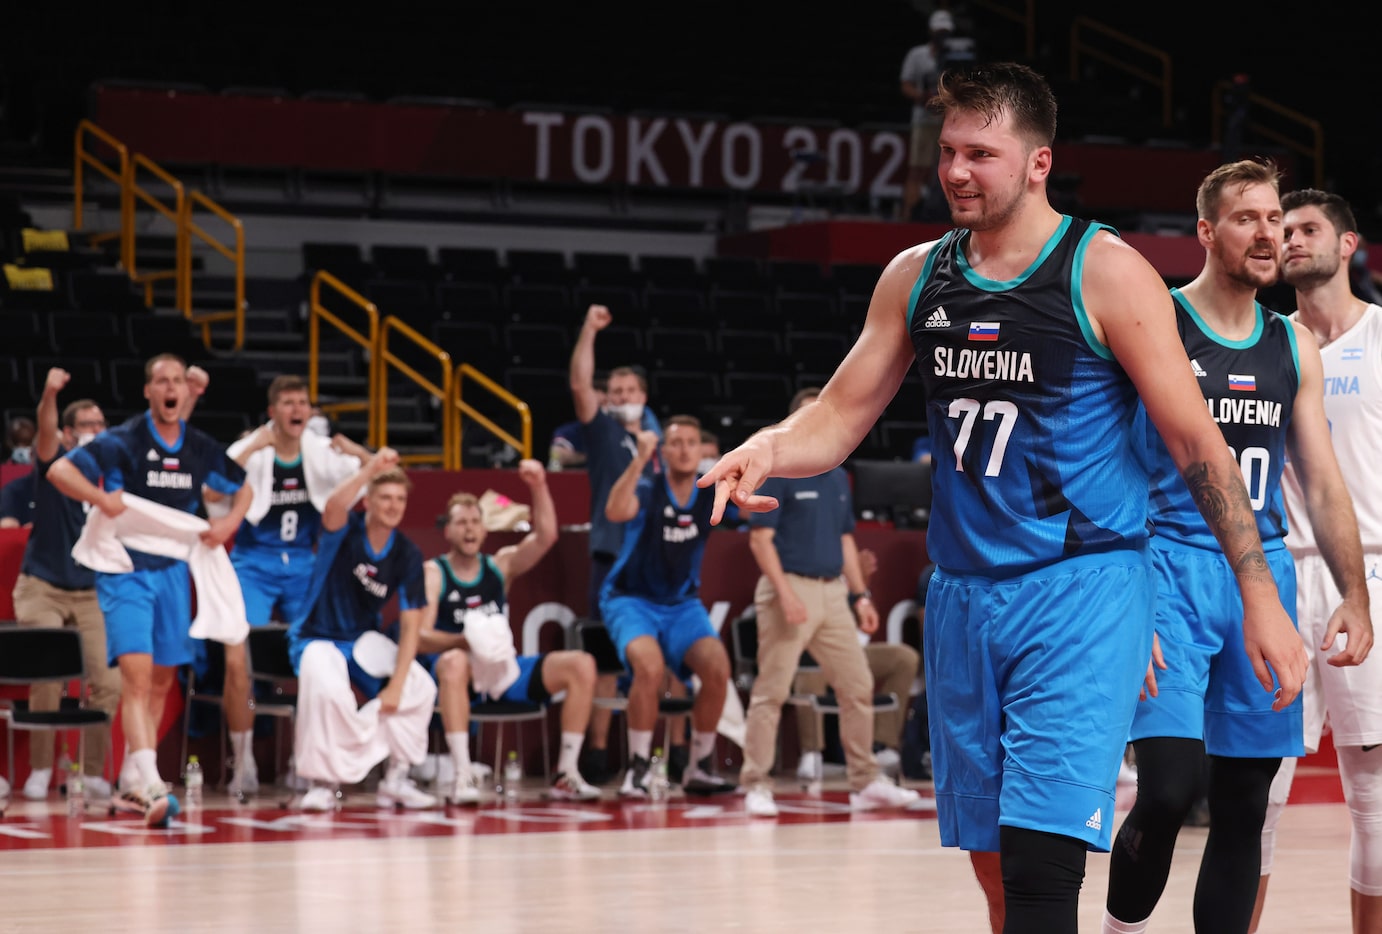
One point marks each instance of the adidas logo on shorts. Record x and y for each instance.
(938, 318)
(1096, 820)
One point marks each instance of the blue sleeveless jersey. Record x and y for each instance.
(58, 524)
(133, 457)
(292, 522)
(1250, 387)
(1035, 455)
(351, 583)
(663, 546)
(484, 593)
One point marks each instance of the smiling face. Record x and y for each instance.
(987, 168)
(290, 411)
(386, 502)
(465, 529)
(1245, 239)
(166, 389)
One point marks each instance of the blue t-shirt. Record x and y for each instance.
(17, 498)
(812, 514)
(609, 449)
(663, 545)
(292, 522)
(132, 457)
(351, 583)
(48, 554)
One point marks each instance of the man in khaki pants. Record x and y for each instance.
(54, 591)
(805, 549)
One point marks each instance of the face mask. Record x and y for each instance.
(84, 438)
(627, 413)
(706, 463)
(318, 424)
(22, 455)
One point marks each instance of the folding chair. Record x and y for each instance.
(592, 636)
(501, 712)
(269, 663)
(30, 656)
(197, 694)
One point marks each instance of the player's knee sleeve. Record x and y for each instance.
(1170, 778)
(1276, 803)
(1042, 875)
(1361, 774)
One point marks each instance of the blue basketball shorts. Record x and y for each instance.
(1208, 690)
(367, 683)
(148, 612)
(281, 578)
(676, 627)
(1031, 683)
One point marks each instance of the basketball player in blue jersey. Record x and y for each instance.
(54, 591)
(161, 458)
(466, 580)
(652, 606)
(362, 562)
(291, 474)
(1261, 377)
(1035, 333)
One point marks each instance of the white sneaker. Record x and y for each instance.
(36, 785)
(318, 799)
(426, 770)
(96, 787)
(245, 781)
(881, 793)
(399, 791)
(569, 786)
(888, 760)
(464, 790)
(759, 803)
(810, 767)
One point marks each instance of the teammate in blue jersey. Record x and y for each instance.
(1261, 377)
(363, 561)
(464, 581)
(159, 457)
(291, 472)
(652, 606)
(1034, 333)
(54, 591)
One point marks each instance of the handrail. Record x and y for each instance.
(132, 192)
(316, 313)
(460, 407)
(448, 459)
(1314, 152)
(236, 255)
(1162, 81)
(80, 158)
(1026, 19)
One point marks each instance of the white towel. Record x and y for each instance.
(493, 659)
(161, 530)
(323, 467)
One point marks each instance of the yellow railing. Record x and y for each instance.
(82, 158)
(1159, 79)
(236, 254)
(459, 407)
(133, 194)
(1025, 18)
(1314, 151)
(369, 340)
(441, 392)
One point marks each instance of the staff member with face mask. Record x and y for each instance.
(54, 591)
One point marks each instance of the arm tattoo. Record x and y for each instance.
(1228, 512)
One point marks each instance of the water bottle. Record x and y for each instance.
(658, 785)
(513, 776)
(194, 783)
(76, 792)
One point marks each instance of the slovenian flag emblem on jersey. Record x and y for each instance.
(983, 331)
(1242, 383)
(170, 463)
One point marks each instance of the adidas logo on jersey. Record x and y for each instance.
(938, 318)
(1197, 369)
(1096, 820)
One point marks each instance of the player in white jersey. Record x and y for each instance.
(1320, 237)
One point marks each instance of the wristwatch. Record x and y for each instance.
(861, 595)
